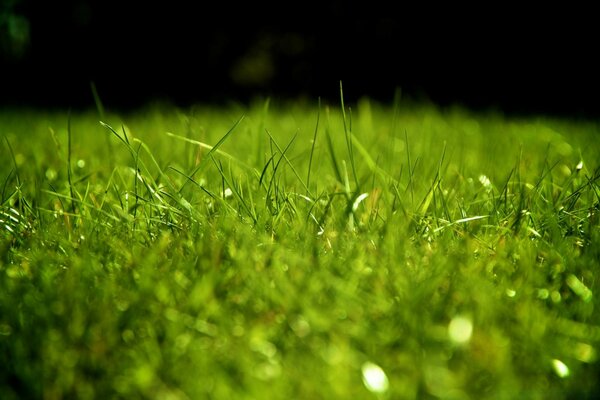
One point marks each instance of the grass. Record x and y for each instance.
(298, 251)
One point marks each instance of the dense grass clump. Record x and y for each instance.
(298, 252)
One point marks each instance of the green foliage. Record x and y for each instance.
(298, 252)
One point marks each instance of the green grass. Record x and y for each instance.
(296, 251)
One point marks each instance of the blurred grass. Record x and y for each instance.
(456, 251)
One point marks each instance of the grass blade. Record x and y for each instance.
(312, 148)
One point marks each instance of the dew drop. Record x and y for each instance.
(374, 378)
(560, 368)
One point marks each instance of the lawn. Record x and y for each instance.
(298, 250)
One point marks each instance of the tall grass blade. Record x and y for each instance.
(69, 171)
(234, 190)
(97, 100)
(312, 148)
(14, 160)
(287, 160)
(410, 170)
(347, 135)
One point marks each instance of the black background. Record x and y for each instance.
(519, 61)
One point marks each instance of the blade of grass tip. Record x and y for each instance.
(504, 192)
(376, 167)
(273, 153)
(161, 173)
(348, 133)
(521, 187)
(410, 170)
(223, 181)
(212, 149)
(125, 134)
(4, 186)
(208, 147)
(192, 181)
(445, 209)
(366, 157)
(546, 169)
(396, 110)
(442, 158)
(152, 193)
(437, 181)
(576, 193)
(179, 199)
(69, 171)
(100, 109)
(265, 113)
(346, 180)
(224, 138)
(58, 195)
(321, 221)
(252, 205)
(390, 150)
(438, 185)
(108, 185)
(331, 148)
(126, 142)
(351, 149)
(429, 197)
(264, 170)
(460, 221)
(14, 160)
(83, 210)
(398, 198)
(314, 142)
(287, 160)
(135, 183)
(234, 190)
(97, 101)
(276, 165)
(400, 173)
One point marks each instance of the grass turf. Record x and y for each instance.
(298, 252)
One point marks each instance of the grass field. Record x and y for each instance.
(282, 251)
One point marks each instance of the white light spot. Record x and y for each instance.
(81, 163)
(510, 293)
(358, 200)
(227, 193)
(374, 378)
(579, 166)
(460, 329)
(560, 368)
(485, 181)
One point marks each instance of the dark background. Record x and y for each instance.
(515, 60)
